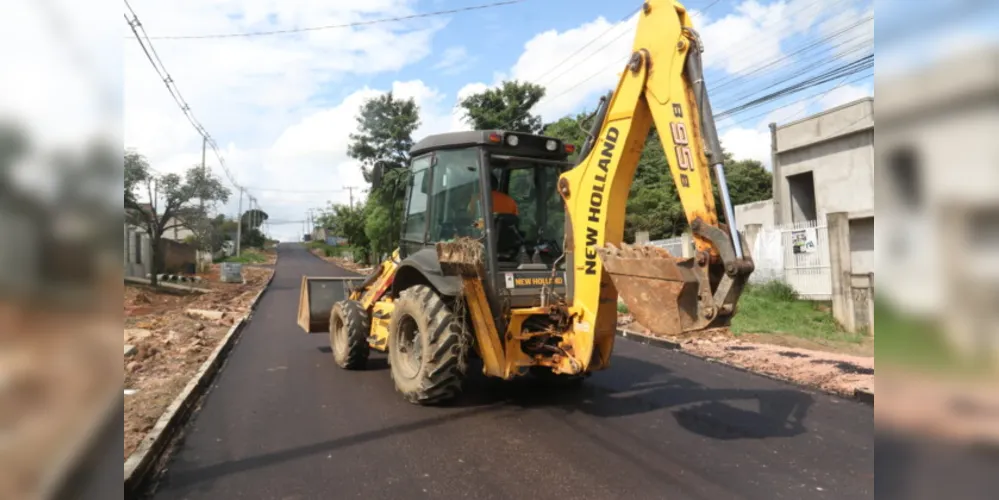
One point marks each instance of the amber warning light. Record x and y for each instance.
(570, 148)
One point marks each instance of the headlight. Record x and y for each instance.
(512, 140)
(551, 145)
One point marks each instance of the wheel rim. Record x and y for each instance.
(339, 340)
(409, 346)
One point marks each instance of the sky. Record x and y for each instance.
(281, 107)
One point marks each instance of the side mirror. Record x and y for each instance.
(377, 171)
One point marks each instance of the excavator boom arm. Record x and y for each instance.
(662, 85)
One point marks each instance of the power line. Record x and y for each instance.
(727, 81)
(541, 78)
(854, 67)
(863, 76)
(279, 190)
(705, 9)
(337, 26)
(812, 67)
(154, 59)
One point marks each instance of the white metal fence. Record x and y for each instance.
(673, 245)
(797, 254)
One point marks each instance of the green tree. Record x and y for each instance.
(506, 107)
(172, 200)
(384, 135)
(345, 221)
(653, 203)
(571, 130)
(748, 180)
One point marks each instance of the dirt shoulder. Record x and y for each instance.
(171, 343)
(342, 262)
(840, 368)
(57, 374)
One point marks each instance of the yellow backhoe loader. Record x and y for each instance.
(512, 254)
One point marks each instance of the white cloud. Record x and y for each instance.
(844, 94)
(454, 60)
(754, 33)
(576, 82)
(266, 99)
(852, 35)
(458, 114)
(63, 71)
(747, 143)
(311, 154)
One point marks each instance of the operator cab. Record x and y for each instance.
(455, 178)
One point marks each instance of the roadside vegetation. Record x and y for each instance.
(384, 136)
(248, 256)
(328, 250)
(775, 308)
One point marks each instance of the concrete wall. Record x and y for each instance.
(837, 147)
(862, 245)
(760, 212)
(137, 253)
(177, 257)
(942, 122)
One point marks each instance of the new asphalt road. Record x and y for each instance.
(283, 422)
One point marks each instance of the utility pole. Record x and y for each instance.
(239, 221)
(203, 223)
(350, 189)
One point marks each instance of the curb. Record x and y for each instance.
(649, 340)
(140, 464)
(54, 483)
(860, 395)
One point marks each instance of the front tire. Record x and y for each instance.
(428, 347)
(349, 330)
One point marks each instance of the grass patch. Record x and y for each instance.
(327, 250)
(906, 341)
(248, 256)
(622, 308)
(775, 308)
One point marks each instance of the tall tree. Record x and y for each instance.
(172, 200)
(653, 203)
(506, 107)
(384, 135)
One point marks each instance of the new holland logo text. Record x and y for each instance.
(597, 199)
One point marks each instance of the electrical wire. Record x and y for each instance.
(154, 59)
(730, 98)
(856, 66)
(338, 26)
(541, 78)
(818, 43)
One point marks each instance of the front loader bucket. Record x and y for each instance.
(315, 302)
(661, 291)
(461, 257)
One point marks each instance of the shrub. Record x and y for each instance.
(776, 290)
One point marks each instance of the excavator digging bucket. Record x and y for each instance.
(661, 291)
(316, 299)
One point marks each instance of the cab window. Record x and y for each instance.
(417, 205)
(455, 194)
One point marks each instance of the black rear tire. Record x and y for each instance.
(428, 347)
(349, 330)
